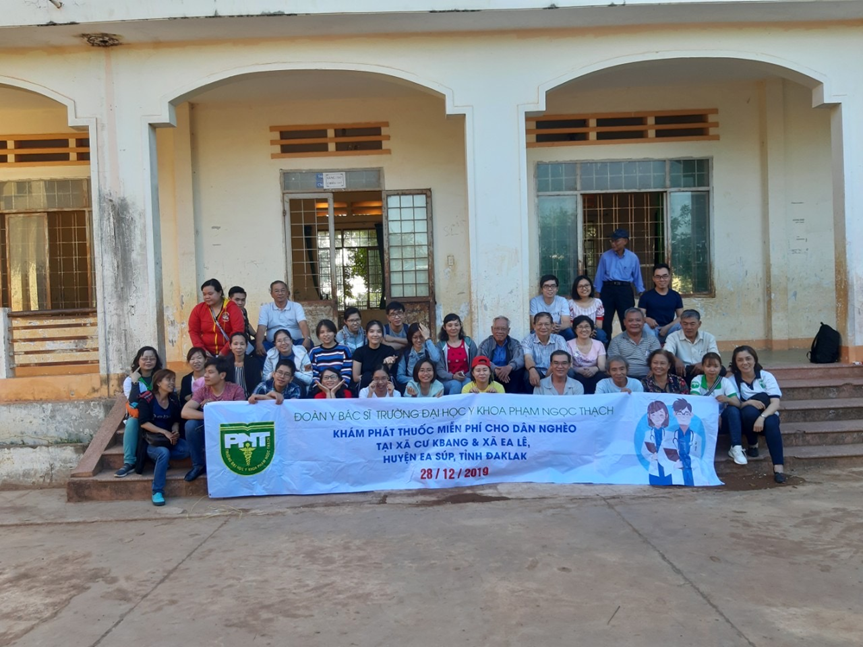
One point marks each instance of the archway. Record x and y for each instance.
(48, 266)
(259, 144)
(717, 165)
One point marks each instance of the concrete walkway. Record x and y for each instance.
(504, 565)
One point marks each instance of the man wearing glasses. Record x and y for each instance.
(661, 306)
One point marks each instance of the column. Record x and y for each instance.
(775, 201)
(847, 147)
(127, 242)
(497, 203)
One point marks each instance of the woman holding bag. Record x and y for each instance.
(214, 320)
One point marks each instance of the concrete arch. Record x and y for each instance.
(71, 107)
(817, 81)
(184, 92)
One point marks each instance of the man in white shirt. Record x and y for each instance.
(689, 345)
(282, 313)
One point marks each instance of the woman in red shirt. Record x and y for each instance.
(457, 353)
(213, 321)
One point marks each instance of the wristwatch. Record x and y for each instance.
(763, 416)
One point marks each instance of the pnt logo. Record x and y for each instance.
(247, 448)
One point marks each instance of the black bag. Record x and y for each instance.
(825, 346)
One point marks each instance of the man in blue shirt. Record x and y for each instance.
(618, 272)
(661, 306)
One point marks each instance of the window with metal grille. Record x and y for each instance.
(665, 205)
(46, 245)
(323, 140)
(622, 127)
(44, 150)
(358, 267)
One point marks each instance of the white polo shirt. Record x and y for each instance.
(289, 318)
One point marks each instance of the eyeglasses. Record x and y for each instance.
(548, 286)
(283, 374)
(380, 379)
(353, 320)
(562, 364)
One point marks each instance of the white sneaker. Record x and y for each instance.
(737, 454)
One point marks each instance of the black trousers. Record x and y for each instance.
(616, 297)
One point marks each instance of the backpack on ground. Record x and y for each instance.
(825, 346)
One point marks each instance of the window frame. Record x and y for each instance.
(667, 190)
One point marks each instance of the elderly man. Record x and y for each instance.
(281, 313)
(538, 347)
(618, 272)
(689, 345)
(558, 382)
(633, 344)
(506, 355)
(619, 382)
(661, 305)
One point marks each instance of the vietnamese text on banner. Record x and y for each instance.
(327, 446)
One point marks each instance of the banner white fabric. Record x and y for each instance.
(352, 445)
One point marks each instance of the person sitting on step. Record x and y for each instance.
(160, 421)
(137, 386)
(760, 397)
(215, 389)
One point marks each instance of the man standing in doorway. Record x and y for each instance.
(618, 272)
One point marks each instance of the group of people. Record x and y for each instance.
(569, 351)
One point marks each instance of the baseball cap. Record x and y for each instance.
(480, 360)
(619, 233)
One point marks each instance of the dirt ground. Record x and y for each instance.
(750, 563)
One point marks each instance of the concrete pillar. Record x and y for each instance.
(847, 141)
(127, 242)
(774, 202)
(6, 357)
(497, 198)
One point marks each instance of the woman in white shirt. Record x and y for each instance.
(759, 395)
(584, 303)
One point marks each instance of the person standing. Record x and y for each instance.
(281, 313)
(618, 273)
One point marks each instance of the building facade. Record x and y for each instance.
(444, 156)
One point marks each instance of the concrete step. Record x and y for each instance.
(815, 371)
(801, 457)
(822, 410)
(105, 487)
(112, 459)
(828, 432)
(822, 388)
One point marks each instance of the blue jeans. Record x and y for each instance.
(601, 337)
(453, 387)
(730, 417)
(161, 455)
(748, 416)
(655, 332)
(130, 441)
(195, 442)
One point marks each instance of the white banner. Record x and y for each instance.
(352, 445)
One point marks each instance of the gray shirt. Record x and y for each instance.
(540, 352)
(573, 387)
(608, 386)
(634, 354)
